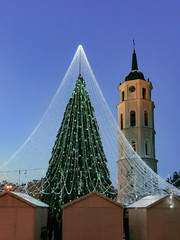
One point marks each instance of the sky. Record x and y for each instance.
(38, 40)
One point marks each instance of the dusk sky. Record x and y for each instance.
(38, 39)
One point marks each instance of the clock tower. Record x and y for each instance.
(136, 120)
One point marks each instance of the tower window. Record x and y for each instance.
(121, 121)
(147, 147)
(145, 118)
(144, 93)
(123, 96)
(132, 118)
(133, 144)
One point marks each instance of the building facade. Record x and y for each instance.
(136, 119)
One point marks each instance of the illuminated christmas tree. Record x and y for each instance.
(78, 164)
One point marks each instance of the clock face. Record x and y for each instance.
(132, 88)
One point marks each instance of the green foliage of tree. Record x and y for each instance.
(78, 164)
(175, 179)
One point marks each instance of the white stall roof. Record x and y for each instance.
(30, 199)
(146, 201)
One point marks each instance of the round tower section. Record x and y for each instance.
(136, 118)
(136, 121)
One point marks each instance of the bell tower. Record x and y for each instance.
(136, 117)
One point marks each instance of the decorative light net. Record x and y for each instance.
(26, 169)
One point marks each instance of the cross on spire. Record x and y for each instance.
(133, 45)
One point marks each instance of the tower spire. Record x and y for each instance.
(134, 58)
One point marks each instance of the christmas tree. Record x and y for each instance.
(78, 164)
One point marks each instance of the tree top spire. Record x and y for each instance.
(80, 61)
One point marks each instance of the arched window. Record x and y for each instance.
(145, 118)
(147, 147)
(132, 118)
(144, 93)
(123, 96)
(121, 121)
(133, 144)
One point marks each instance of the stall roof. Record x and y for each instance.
(89, 195)
(31, 199)
(26, 198)
(147, 201)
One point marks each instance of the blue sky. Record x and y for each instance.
(38, 39)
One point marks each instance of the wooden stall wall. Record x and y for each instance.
(137, 224)
(16, 219)
(163, 222)
(93, 218)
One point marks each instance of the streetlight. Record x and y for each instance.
(9, 187)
